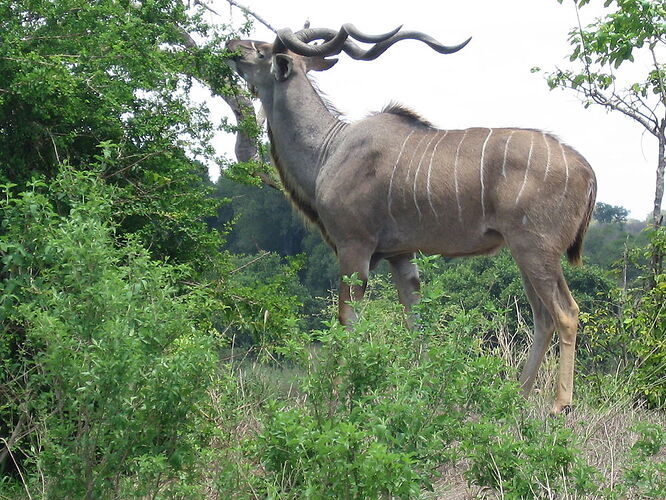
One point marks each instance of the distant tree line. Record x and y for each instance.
(606, 213)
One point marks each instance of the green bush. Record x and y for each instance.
(382, 394)
(494, 285)
(647, 323)
(105, 360)
(529, 459)
(111, 384)
(332, 459)
(628, 335)
(265, 319)
(645, 474)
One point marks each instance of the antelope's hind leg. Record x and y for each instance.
(543, 334)
(543, 271)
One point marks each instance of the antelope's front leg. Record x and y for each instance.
(406, 278)
(353, 259)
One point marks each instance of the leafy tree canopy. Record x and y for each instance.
(605, 213)
(107, 82)
(628, 29)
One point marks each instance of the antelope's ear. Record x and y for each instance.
(319, 63)
(281, 67)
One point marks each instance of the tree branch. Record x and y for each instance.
(250, 12)
(615, 102)
(635, 107)
(201, 4)
(625, 110)
(662, 86)
(260, 256)
(188, 41)
(12, 439)
(246, 149)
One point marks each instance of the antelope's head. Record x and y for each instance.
(262, 64)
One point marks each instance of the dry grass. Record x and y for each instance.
(605, 435)
(606, 439)
(604, 430)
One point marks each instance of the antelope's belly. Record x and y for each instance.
(449, 237)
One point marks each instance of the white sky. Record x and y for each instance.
(487, 84)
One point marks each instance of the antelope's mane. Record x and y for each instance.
(395, 108)
(324, 98)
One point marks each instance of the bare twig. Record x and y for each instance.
(198, 2)
(52, 37)
(12, 439)
(55, 148)
(660, 78)
(247, 264)
(616, 103)
(250, 12)
(268, 180)
(611, 455)
(25, 486)
(586, 53)
(143, 158)
(188, 41)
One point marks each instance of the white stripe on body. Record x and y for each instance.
(455, 175)
(506, 150)
(409, 167)
(416, 174)
(566, 172)
(434, 150)
(527, 168)
(481, 173)
(545, 139)
(397, 162)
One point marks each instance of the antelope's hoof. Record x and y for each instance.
(559, 409)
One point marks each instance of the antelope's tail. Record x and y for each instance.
(575, 250)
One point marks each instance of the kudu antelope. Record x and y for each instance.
(391, 184)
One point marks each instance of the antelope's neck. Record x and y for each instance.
(303, 133)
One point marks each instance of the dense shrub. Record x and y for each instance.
(264, 319)
(628, 334)
(105, 359)
(402, 403)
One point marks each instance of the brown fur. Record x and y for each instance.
(352, 176)
(303, 207)
(575, 251)
(324, 98)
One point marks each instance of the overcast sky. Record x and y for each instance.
(487, 84)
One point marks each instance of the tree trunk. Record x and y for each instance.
(659, 191)
(657, 217)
